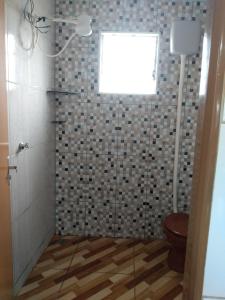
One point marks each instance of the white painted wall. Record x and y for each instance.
(32, 187)
(214, 281)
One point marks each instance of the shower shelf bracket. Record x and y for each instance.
(60, 122)
(68, 93)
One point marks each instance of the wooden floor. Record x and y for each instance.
(103, 268)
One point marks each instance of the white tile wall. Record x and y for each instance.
(20, 185)
(31, 111)
(21, 243)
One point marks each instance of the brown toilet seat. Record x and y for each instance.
(176, 229)
(177, 223)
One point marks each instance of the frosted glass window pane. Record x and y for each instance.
(128, 63)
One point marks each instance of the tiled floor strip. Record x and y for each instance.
(103, 268)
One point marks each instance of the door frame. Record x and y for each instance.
(6, 264)
(206, 150)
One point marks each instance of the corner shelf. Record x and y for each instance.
(68, 93)
(60, 122)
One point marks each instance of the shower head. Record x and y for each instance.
(83, 27)
(82, 23)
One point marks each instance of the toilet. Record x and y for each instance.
(176, 227)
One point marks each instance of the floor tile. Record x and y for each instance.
(153, 278)
(58, 255)
(103, 268)
(97, 286)
(106, 255)
(148, 254)
(42, 286)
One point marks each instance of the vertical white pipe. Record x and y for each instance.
(178, 126)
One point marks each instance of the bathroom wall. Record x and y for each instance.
(110, 181)
(215, 266)
(31, 111)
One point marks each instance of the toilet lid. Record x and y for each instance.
(177, 223)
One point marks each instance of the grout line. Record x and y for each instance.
(67, 269)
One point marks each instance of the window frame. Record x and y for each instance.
(157, 35)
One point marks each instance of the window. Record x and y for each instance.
(128, 63)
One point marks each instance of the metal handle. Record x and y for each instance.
(12, 168)
(8, 173)
(22, 146)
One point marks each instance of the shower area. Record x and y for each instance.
(93, 164)
(115, 152)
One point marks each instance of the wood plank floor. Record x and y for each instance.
(103, 268)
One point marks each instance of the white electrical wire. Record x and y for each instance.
(82, 22)
(34, 37)
(33, 20)
(178, 126)
(62, 50)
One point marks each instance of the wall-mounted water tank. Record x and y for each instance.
(185, 37)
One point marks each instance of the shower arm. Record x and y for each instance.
(73, 21)
(82, 19)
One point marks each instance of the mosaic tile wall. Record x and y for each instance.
(115, 152)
